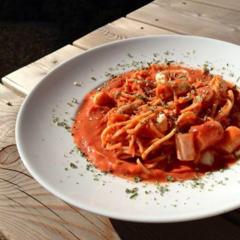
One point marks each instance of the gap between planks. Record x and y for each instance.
(226, 4)
(203, 11)
(159, 17)
(24, 79)
(120, 29)
(175, 17)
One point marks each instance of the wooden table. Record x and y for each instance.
(27, 211)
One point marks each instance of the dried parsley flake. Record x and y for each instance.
(133, 192)
(73, 165)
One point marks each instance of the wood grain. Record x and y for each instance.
(120, 29)
(24, 79)
(27, 211)
(185, 22)
(203, 11)
(229, 4)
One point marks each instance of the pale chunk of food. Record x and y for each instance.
(207, 158)
(162, 122)
(103, 99)
(185, 146)
(207, 134)
(160, 78)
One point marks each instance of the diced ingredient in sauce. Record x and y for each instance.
(165, 122)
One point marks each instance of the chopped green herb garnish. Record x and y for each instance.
(137, 179)
(55, 119)
(162, 189)
(205, 68)
(77, 84)
(93, 78)
(90, 168)
(82, 154)
(196, 183)
(63, 124)
(168, 62)
(133, 192)
(170, 178)
(74, 100)
(73, 165)
(130, 55)
(134, 195)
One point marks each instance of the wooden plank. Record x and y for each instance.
(207, 12)
(184, 22)
(229, 4)
(27, 211)
(25, 78)
(119, 29)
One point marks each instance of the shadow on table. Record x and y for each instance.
(215, 228)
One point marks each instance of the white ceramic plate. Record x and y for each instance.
(45, 148)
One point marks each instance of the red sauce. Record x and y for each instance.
(87, 130)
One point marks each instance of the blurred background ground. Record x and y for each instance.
(31, 29)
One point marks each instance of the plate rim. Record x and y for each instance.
(97, 210)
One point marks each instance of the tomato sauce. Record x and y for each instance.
(87, 130)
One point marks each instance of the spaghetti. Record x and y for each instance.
(163, 120)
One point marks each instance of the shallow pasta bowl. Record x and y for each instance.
(47, 149)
